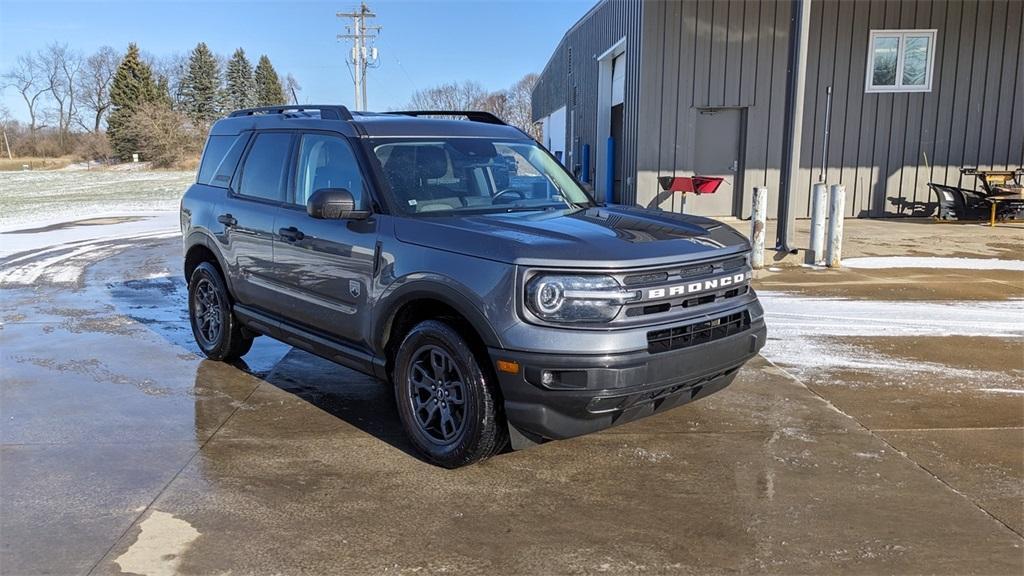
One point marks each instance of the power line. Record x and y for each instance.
(363, 54)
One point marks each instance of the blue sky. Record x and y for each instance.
(423, 43)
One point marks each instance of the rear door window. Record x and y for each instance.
(266, 167)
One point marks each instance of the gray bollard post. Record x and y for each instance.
(819, 207)
(758, 212)
(836, 214)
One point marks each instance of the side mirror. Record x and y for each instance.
(334, 204)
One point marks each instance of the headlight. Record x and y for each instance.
(576, 298)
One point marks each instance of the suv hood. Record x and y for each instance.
(607, 236)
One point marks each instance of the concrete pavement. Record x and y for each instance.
(123, 451)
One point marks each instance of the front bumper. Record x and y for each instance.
(593, 392)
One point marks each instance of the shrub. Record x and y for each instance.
(165, 137)
(93, 146)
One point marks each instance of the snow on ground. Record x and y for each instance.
(885, 262)
(66, 263)
(61, 254)
(800, 329)
(70, 234)
(34, 198)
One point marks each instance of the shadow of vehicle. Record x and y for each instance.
(160, 304)
(360, 400)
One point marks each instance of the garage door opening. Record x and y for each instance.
(611, 80)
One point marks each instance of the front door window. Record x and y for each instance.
(327, 161)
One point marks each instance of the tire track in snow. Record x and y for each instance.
(66, 263)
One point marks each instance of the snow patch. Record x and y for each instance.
(799, 328)
(935, 262)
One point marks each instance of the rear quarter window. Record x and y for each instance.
(220, 158)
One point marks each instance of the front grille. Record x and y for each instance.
(685, 303)
(697, 333)
(672, 276)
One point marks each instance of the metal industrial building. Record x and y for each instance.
(919, 88)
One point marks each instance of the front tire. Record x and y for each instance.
(216, 330)
(445, 400)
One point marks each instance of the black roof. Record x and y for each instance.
(338, 118)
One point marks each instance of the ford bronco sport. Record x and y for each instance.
(458, 260)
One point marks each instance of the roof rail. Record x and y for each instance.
(327, 111)
(473, 115)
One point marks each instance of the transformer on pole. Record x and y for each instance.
(363, 54)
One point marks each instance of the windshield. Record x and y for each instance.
(439, 176)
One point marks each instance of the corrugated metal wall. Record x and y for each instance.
(722, 53)
(973, 116)
(575, 85)
(733, 54)
(710, 54)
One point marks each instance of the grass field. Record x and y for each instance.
(33, 197)
(34, 163)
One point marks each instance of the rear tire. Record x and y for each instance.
(446, 401)
(216, 330)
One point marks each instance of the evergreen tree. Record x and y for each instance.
(201, 86)
(269, 91)
(132, 87)
(163, 90)
(240, 85)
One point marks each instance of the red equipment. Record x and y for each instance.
(690, 184)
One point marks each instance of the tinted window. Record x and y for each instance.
(216, 148)
(220, 159)
(266, 166)
(326, 162)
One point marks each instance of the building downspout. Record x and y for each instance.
(800, 25)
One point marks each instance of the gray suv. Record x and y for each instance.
(457, 259)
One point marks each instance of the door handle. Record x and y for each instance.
(291, 234)
(227, 220)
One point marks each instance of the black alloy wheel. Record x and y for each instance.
(217, 332)
(447, 398)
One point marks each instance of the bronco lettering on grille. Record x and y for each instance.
(702, 286)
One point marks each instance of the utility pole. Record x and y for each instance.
(363, 54)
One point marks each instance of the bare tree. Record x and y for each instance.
(292, 88)
(94, 86)
(5, 121)
(453, 96)
(496, 103)
(519, 112)
(28, 79)
(173, 68)
(60, 67)
(512, 105)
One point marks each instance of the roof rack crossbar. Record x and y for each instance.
(327, 111)
(473, 115)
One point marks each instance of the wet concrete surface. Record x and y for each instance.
(122, 450)
(899, 284)
(905, 237)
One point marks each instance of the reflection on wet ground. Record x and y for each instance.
(122, 450)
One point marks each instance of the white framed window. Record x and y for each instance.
(900, 61)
